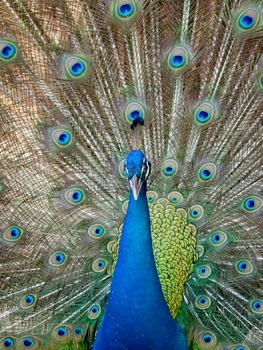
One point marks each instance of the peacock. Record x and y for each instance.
(131, 174)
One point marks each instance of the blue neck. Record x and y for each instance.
(137, 316)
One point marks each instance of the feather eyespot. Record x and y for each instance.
(203, 302)
(207, 340)
(175, 197)
(244, 267)
(28, 301)
(8, 51)
(204, 113)
(74, 196)
(239, 347)
(196, 212)
(62, 137)
(200, 250)
(257, 306)
(76, 67)
(31, 343)
(204, 271)
(96, 231)
(151, 196)
(13, 234)
(251, 204)
(94, 311)
(218, 239)
(135, 111)
(169, 167)
(61, 334)
(207, 172)
(178, 59)
(125, 9)
(248, 19)
(78, 331)
(57, 259)
(99, 265)
(7, 343)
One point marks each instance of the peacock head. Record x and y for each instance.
(137, 169)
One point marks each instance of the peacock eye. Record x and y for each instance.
(125, 9)
(57, 259)
(78, 331)
(99, 265)
(251, 204)
(207, 172)
(31, 343)
(248, 19)
(175, 197)
(13, 234)
(7, 343)
(218, 239)
(134, 110)
(61, 334)
(76, 67)
(244, 267)
(203, 302)
(204, 113)
(169, 167)
(96, 231)
(61, 137)
(94, 311)
(204, 271)
(28, 301)
(207, 340)
(178, 59)
(151, 196)
(257, 306)
(239, 347)
(74, 196)
(196, 212)
(8, 51)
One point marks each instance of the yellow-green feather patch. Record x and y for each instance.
(174, 250)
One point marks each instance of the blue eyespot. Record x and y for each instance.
(64, 138)
(8, 343)
(252, 204)
(8, 50)
(99, 265)
(78, 331)
(57, 259)
(28, 342)
(204, 113)
(96, 231)
(206, 174)
(94, 312)
(204, 271)
(194, 213)
(246, 22)
(248, 19)
(169, 170)
(244, 267)
(77, 196)
(135, 114)
(207, 338)
(13, 234)
(203, 116)
(126, 10)
(76, 67)
(177, 61)
(62, 332)
(203, 302)
(257, 306)
(30, 299)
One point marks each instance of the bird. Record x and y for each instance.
(131, 174)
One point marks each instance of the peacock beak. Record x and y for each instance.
(136, 185)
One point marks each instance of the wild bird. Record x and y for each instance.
(131, 167)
